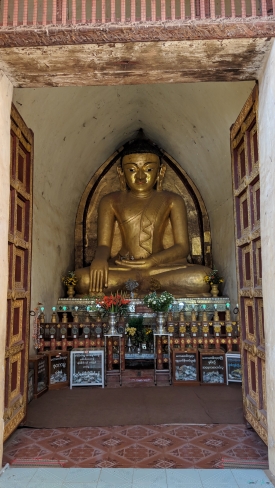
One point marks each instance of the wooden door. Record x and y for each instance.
(246, 194)
(18, 298)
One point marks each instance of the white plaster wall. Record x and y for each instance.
(267, 177)
(77, 129)
(5, 109)
(192, 123)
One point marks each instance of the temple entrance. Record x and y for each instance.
(214, 323)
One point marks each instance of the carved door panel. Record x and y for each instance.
(18, 298)
(246, 195)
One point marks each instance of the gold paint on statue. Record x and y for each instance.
(196, 246)
(142, 211)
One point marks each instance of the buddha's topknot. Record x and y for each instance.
(141, 145)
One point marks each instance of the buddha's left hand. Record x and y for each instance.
(137, 263)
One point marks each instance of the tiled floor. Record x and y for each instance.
(155, 446)
(133, 478)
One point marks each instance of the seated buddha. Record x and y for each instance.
(142, 210)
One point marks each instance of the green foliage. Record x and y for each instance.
(136, 322)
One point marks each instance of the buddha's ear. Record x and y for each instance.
(160, 177)
(122, 179)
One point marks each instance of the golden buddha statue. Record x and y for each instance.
(142, 210)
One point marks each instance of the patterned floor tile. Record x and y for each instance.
(80, 453)
(155, 446)
(242, 451)
(89, 433)
(39, 434)
(138, 432)
(101, 462)
(234, 432)
(188, 432)
(29, 452)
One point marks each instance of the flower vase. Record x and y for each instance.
(70, 291)
(161, 323)
(214, 290)
(112, 320)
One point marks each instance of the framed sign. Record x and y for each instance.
(39, 364)
(58, 367)
(233, 367)
(212, 366)
(185, 367)
(87, 367)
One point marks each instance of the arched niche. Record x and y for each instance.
(106, 180)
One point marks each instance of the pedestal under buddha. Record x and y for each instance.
(142, 210)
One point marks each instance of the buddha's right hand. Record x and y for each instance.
(98, 275)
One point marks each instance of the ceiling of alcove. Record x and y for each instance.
(135, 62)
(77, 129)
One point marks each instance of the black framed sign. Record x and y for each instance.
(42, 373)
(39, 364)
(58, 369)
(212, 366)
(87, 367)
(185, 367)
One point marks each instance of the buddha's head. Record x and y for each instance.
(141, 169)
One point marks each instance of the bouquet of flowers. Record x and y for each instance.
(114, 303)
(213, 278)
(137, 331)
(130, 331)
(159, 303)
(70, 279)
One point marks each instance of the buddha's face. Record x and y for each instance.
(141, 171)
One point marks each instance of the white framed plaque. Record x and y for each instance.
(87, 367)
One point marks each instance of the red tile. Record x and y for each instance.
(154, 446)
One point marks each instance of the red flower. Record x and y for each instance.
(114, 302)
